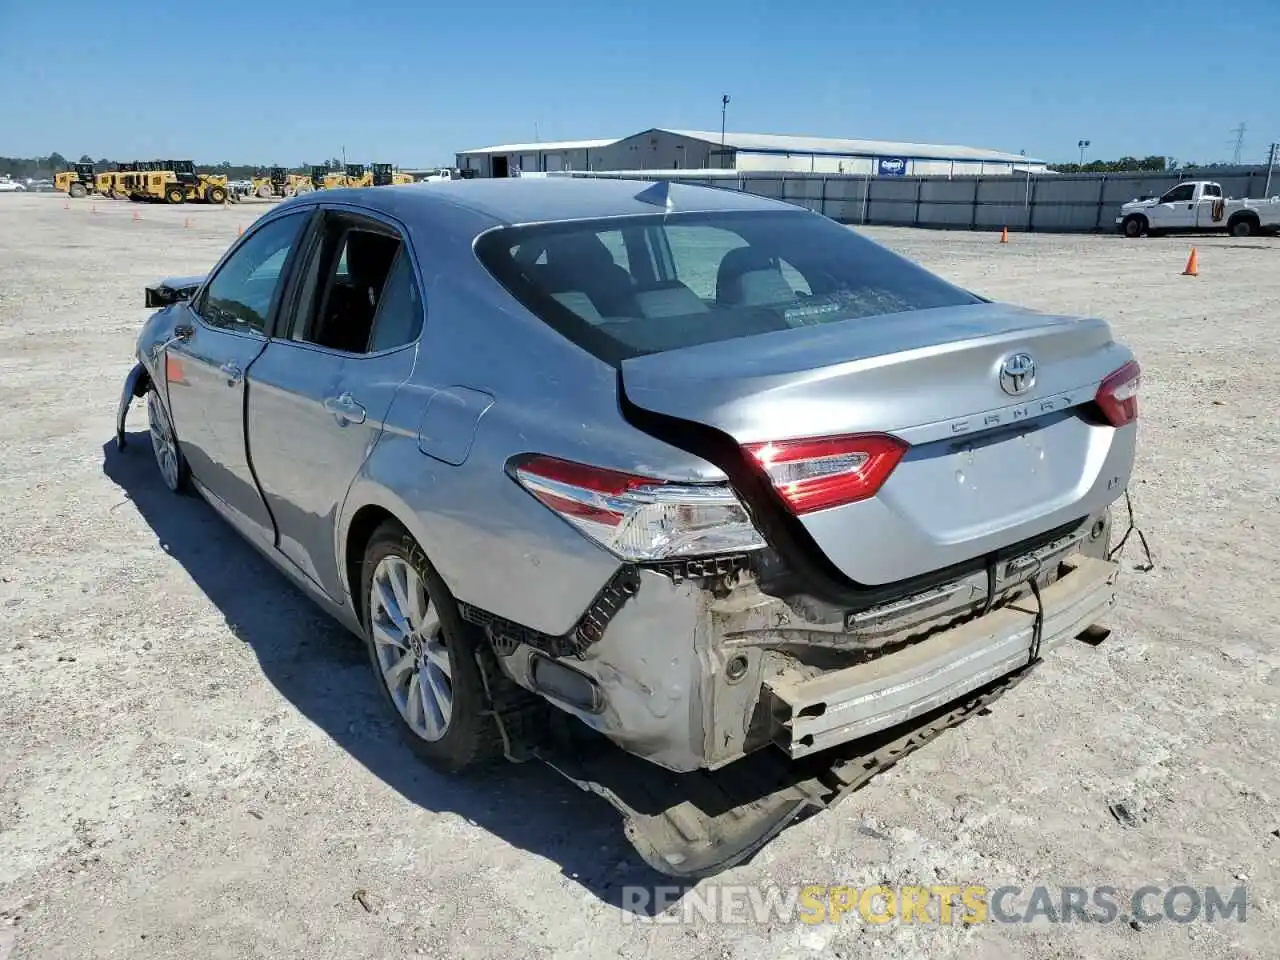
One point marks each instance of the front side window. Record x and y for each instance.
(1212, 190)
(689, 279)
(241, 293)
(1180, 194)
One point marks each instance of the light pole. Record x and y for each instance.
(724, 106)
(1083, 145)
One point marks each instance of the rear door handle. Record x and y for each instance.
(231, 370)
(345, 408)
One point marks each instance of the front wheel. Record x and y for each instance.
(216, 195)
(164, 442)
(77, 190)
(1134, 226)
(175, 195)
(423, 655)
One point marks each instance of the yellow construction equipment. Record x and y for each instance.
(77, 182)
(357, 175)
(322, 178)
(384, 176)
(176, 181)
(280, 183)
(111, 183)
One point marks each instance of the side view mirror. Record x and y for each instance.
(160, 295)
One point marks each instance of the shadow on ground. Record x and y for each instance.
(323, 670)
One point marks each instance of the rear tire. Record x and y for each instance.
(423, 655)
(265, 192)
(1243, 227)
(1134, 226)
(175, 195)
(78, 191)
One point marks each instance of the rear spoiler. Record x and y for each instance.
(171, 290)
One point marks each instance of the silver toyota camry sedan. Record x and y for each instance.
(705, 499)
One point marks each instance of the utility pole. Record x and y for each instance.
(1239, 144)
(1271, 163)
(724, 106)
(1026, 203)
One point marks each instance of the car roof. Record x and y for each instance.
(518, 200)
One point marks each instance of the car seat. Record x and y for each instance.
(750, 277)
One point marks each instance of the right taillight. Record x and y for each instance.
(1118, 395)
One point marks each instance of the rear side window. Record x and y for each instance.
(359, 293)
(624, 287)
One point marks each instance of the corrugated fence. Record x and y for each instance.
(1053, 203)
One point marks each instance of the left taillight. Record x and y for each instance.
(1117, 396)
(817, 473)
(640, 518)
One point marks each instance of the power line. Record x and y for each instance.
(1239, 143)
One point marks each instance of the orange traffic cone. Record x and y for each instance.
(186, 223)
(93, 208)
(1004, 235)
(136, 218)
(66, 204)
(239, 230)
(1193, 265)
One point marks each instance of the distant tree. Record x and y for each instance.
(85, 158)
(56, 161)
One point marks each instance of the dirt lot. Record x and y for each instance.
(193, 762)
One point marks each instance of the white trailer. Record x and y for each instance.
(1198, 206)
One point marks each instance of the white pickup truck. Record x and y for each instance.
(1198, 206)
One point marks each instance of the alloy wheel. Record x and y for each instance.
(409, 640)
(163, 442)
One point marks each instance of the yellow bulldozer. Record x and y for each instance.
(280, 183)
(176, 181)
(77, 182)
(384, 176)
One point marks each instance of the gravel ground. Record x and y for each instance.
(193, 761)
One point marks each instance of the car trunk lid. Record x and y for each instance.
(985, 468)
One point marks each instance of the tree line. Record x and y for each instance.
(43, 168)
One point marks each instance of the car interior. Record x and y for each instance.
(356, 270)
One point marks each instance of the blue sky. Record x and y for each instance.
(413, 83)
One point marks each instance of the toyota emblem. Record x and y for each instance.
(1017, 374)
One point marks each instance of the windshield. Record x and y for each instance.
(628, 286)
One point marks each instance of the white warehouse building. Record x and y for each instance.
(661, 149)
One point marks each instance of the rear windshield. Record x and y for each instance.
(628, 286)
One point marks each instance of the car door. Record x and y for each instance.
(1176, 209)
(319, 393)
(1210, 198)
(206, 372)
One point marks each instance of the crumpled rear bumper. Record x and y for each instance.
(820, 712)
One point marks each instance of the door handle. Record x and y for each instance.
(345, 408)
(231, 370)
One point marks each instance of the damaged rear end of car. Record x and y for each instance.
(907, 504)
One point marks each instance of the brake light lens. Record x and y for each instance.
(1118, 395)
(639, 518)
(818, 473)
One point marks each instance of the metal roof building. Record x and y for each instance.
(666, 149)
